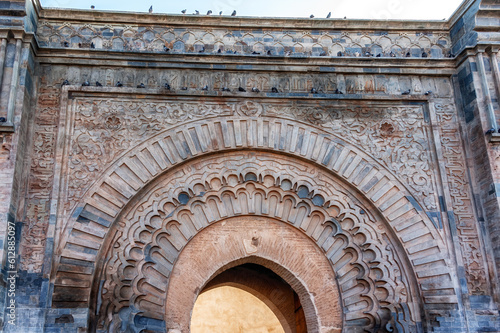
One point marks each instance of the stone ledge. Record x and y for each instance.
(495, 138)
(6, 128)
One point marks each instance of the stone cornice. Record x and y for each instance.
(85, 16)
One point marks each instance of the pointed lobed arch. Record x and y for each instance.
(84, 234)
(375, 284)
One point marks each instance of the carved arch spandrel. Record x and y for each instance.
(373, 280)
(129, 176)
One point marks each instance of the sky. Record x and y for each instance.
(354, 9)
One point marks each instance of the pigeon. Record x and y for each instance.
(406, 92)
(490, 131)
(65, 83)
(86, 84)
(255, 52)
(166, 49)
(428, 92)
(424, 54)
(345, 17)
(234, 52)
(98, 84)
(167, 86)
(241, 89)
(392, 54)
(3, 120)
(219, 51)
(322, 54)
(80, 45)
(183, 11)
(202, 50)
(66, 44)
(119, 84)
(451, 55)
(378, 55)
(204, 88)
(408, 54)
(92, 7)
(268, 52)
(141, 85)
(338, 92)
(314, 91)
(312, 16)
(220, 13)
(92, 45)
(184, 88)
(329, 15)
(368, 54)
(150, 9)
(274, 90)
(196, 12)
(226, 89)
(340, 54)
(209, 12)
(255, 90)
(233, 13)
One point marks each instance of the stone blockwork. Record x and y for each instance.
(143, 156)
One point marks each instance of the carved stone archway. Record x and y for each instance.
(311, 147)
(266, 286)
(377, 286)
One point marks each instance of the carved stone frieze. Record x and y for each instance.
(459, 190)
(301, 42)
(34, 232)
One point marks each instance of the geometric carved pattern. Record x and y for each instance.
(292, 42)
(104, 128)
(372, 279)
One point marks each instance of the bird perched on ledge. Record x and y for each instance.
(98, 84)
(65, 83)
(490, 131)
(86, 84)
(233, 13)
(150, 9)
(119, 84)
(407, 92)
(255, 90)
(141, 85)
(274, 90)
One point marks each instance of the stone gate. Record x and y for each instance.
(145, 155)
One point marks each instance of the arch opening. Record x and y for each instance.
(248, 298)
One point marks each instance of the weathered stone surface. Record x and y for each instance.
(251, 141)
